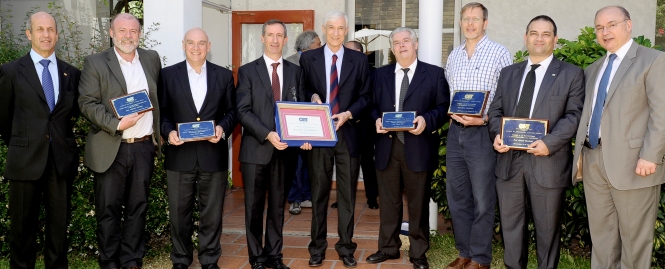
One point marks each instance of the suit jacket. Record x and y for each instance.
(633, 121)
(102, 80)
(294, 59)
(354, 88)
(256, 106)
(560, 99)
(177, 106)
(27, 125)
(429, 96)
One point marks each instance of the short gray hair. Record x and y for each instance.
(413, 34)
(623, 11)
(271, 22)
(335, 14)
(28, 23)
(305, 40)
(126, 16)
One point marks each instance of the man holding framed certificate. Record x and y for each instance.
(406, 159)
(532, 93)
(197, 100)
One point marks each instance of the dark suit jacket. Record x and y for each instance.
(354, 88)
(560, 100)
(177, 106)
(256, 106)
(27, 125)
(102, 80)
(429, 96)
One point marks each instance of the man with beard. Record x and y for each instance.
(120, 152)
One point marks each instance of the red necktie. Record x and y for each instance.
(334, 86)
(275, 83)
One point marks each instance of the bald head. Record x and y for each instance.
(42, 32)
(195, 32)
(196, 47)
(41, 15)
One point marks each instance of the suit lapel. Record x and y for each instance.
(183, 78)
(211, 80)
(27, 68)
(63, 76)
(286, 80)
(264, 77)
(417, 79)
(319, 64)
(114, 66)
(389, 80)
(347, 68)
(550, 75)
(621, 71)
(144, 58)
(515, 85)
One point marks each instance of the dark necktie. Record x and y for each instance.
(402, 94)
(524, 104)
(334, 86)
(594, 126)
(47, 85)
(275, 83)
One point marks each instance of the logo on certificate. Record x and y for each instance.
(130, 99)
(523, 127)
(195, 126)
(302, 119)
(468, 97)
(398, 115)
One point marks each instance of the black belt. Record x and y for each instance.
(461, 124)
(588, 145)
(136, 140)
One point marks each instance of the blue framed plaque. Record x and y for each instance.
(195, 131)
(299, 122)
(398, 121)
(519, 133)
(470, 103)
(135, 102)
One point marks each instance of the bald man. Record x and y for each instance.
(38, 102)
(190, 91)
(120, 152)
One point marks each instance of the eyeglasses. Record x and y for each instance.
(467, 20)
(609, 27)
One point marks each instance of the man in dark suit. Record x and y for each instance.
(120, 152)
(621, 144)
(405, 159)
(339, 77)
(543, 87)
(191, 91)
(263, 156)
(38, 102)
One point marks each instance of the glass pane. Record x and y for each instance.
(252, 48)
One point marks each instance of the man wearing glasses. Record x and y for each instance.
(621, 144)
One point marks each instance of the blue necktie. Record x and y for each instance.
(594, 127)
(47, 85)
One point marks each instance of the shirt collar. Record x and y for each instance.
(412, 67)
(478, 45)
(120, 59)
(191, 69)
(270, 61)
(36, 57)
(329, 53)
(544, 64)
(621, 53)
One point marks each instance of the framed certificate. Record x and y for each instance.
(398, 121)
(469, 103)
(519, 133)
(135, 102)
(299, 122)
(196, 131)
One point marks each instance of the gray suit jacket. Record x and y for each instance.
(560, 99)
(102, 80)
(633, 121)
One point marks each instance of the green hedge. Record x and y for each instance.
(581, 52)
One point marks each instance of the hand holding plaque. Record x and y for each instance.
(136, 102)
(470, 103)
(519, 133)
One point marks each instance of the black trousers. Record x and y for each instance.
(184, 189)
(25, 198)
(260, 180)
(121, 233)
(396, 179)
(320, 167)
(367, 159)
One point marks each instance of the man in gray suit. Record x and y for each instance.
(542, 87)
(307, 40)
(120, 151)
(621, 144)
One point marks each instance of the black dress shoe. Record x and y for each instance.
(277, 264)
(372, 204)
(316, 260)
(348, 260)
(258, 265)
(419, 263)
(380, 256)
(208, 266)
(180, 266)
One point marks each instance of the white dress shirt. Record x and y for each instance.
(328, 55)
(399, 76)
(198, 84)
(52, 68)
(280, 72)
(540, 74)
(136, 81)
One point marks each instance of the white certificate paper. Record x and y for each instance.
(298, 125)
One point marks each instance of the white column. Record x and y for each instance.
(430, 31)
(430, 44)
(175, 17)
(351, 13)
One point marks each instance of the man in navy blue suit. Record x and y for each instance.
(405, 159)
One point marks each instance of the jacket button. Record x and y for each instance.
(48, 137)
(391, 136)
